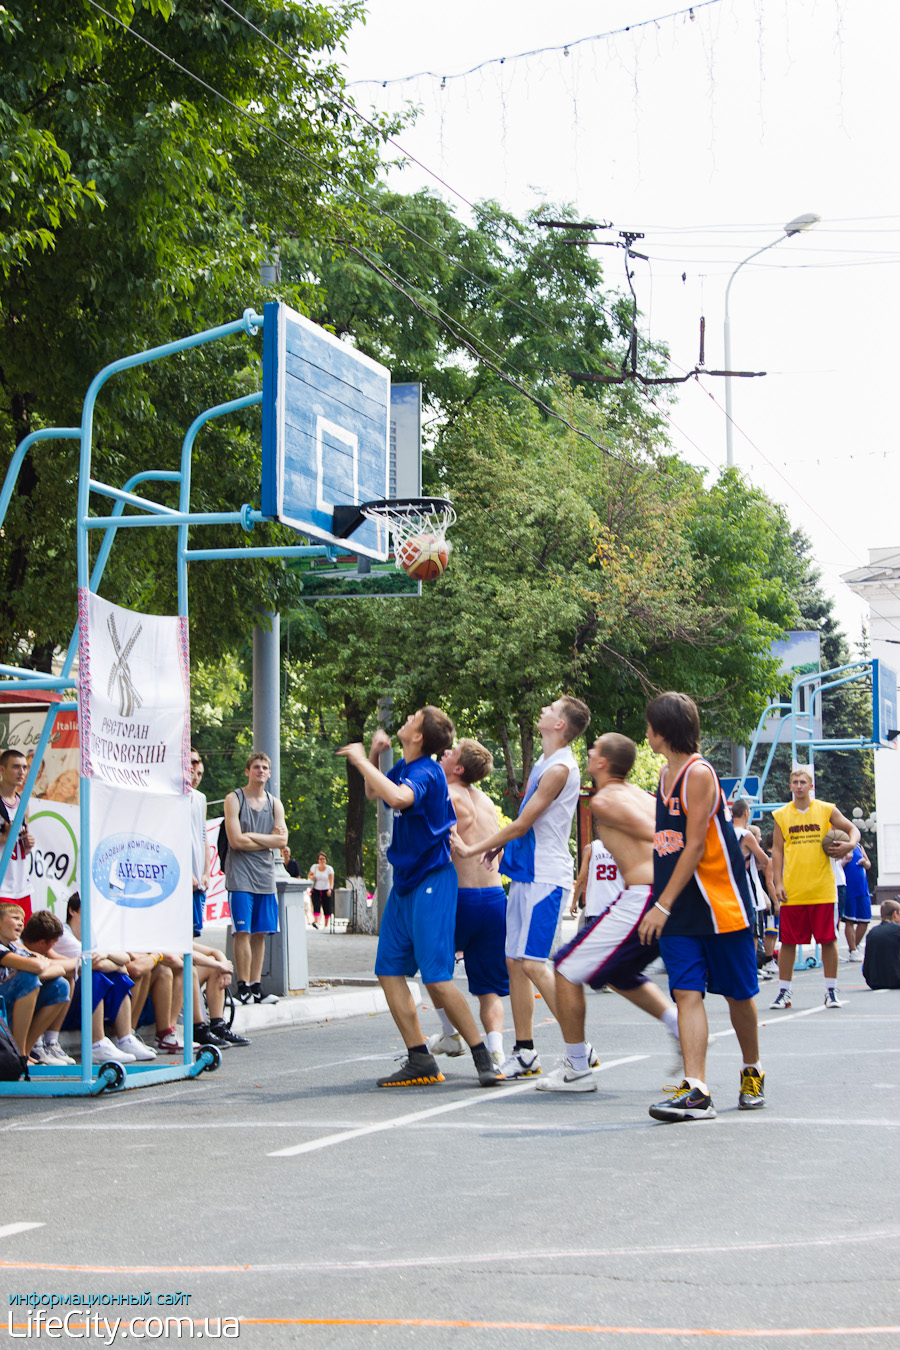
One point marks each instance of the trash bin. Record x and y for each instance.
(342, 903)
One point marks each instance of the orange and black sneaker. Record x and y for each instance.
(417, 1070)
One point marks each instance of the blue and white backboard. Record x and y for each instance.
(884, 704)
(325, 430)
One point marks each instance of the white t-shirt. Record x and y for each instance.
(757, 888)
(603, 885)
(199, 847)
(15, 884)
(553, 860)
(323, 877)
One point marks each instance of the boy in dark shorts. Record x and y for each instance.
(702, 911)
(417, 930)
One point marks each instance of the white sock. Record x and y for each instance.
(495, 1041)
(757, 1066)
(50, 1038)
(669, 1020)
(699, 1084)
(830, 984)
(449, 1028)
(577, 1056)
(785, 984)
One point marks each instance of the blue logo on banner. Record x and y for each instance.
(134, 871)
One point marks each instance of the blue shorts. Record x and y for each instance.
(417, 929)
(532, 913)
(858, 908)
(108, 989)
(252, 912)
(23, 983)
(714, 963)
(199, 911)
(481, 937)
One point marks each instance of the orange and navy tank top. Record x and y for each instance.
(717, 898)
(808, 874)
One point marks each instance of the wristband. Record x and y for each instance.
(665, 911)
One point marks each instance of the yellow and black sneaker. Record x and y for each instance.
(417, 1070)
(752, 1090)
(684, 1103)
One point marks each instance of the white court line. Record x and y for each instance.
(481, 1099)
(773, 1022)
(10, 1229)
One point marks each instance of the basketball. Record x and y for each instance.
(424, 557)
(834, 837)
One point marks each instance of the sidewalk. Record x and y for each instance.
(342, 983)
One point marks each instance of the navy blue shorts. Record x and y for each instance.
(418, 929)
(481, 937)
(253, 913)
(714, 963)
(607, 950)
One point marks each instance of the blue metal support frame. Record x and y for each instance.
(86, 1078)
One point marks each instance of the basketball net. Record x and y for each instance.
(409, 519)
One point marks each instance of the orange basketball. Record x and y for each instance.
(424, 557)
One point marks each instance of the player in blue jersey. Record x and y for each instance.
(538, 861)
(417, 930)
(702, 911)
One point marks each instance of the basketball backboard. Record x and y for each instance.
(325, 430)
(884, 705)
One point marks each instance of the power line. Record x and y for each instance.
(564, 47)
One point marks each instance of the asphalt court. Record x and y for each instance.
(289, 1192)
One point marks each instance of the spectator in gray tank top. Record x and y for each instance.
(254, 823)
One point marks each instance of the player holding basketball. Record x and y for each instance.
(417, 929)
(608, 949)
(803, 880)
(701, 911)
(480, 903)
(537, 860)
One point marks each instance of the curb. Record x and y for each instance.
(296, 1010)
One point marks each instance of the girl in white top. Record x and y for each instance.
(322, 877)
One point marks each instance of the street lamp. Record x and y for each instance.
(796, 226)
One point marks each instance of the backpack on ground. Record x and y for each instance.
(13, 1064)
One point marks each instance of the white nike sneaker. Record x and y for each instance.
(446, 1045)
(566, 1079)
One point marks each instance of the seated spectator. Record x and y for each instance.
(159, 976)
(214, 972)
(111, 989)
(32, 986)
(881, 963)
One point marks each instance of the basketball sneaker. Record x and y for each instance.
(446, 1045)
(593, 1057)
(521, 1064)
(832, 1000)
(782, 999)
(488, 1073)
(684, 1103)
(566, 1079)
(752, 1096)
(417, 1070)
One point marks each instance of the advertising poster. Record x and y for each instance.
(134, 698)
(57, 779)
(140, 867)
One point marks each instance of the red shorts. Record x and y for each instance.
(23, 901)
(807, 923)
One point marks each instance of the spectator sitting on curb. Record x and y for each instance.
(112, 989)
(32, 986)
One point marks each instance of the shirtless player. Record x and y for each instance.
(480, 904)
(607, 950)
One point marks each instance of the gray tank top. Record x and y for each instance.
(252, 872)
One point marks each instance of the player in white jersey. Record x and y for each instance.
(608, 951)
(538, 861)
(597, 884)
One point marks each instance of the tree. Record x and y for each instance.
(136, 205)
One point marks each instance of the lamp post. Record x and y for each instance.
(796, 226)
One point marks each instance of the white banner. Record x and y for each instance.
(133, 697)
(141, 896)
(53, 862)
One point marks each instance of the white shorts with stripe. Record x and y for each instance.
(610, 945)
